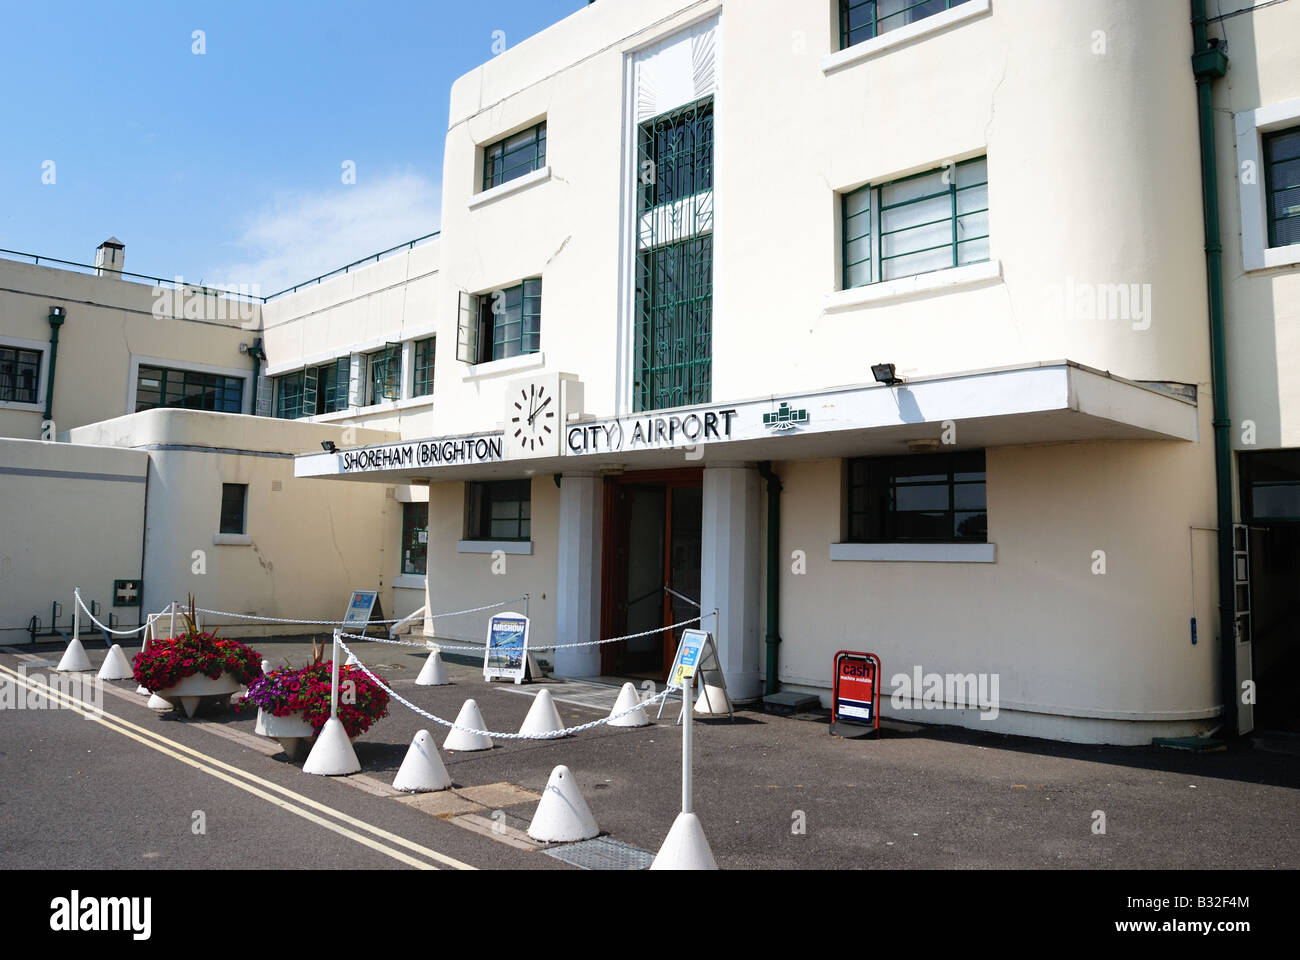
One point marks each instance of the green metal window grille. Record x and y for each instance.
(313, 391)
(673, 322)
(385, 369)
(500, 510)
(415, 538)
(234, 497)
(510, 321)
(929, 221)
(863, 19)
(424, 355)
(1282, 181)
(514, 156)
(163, 387)
(19, 372)
(935, 498)
(288, 395)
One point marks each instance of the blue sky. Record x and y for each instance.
(226, 167)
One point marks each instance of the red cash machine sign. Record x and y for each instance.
(856, 688)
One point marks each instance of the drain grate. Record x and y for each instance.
(602, 853)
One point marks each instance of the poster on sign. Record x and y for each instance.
(506, 653)
(855, 700)
(360, 605)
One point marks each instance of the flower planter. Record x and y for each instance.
(290, 730)
(199, 689)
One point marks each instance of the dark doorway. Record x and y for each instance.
(1270, 491)
(652, 541)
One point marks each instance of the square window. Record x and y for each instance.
(499, 510)
(929, 498)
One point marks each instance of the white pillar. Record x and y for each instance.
(729, 572)
(577, 581)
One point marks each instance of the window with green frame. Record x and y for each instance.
(929, 221)
(863, 19)
(424, 355)
(501, 323)
(384, 374)
(313, 391)
(1282, 181)
(190, 389)
(415, 538)
(499, 509)
(935, 498)
(234, 508)
(516, 155)
(673, 340)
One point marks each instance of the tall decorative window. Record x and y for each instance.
(674, 265)
(190, 389)
(516, 155)
(1282, 179)
(424, 356)
(863, 19)
(929, 221)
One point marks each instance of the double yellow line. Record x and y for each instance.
(301, 806)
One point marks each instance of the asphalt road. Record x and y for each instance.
(771, 792)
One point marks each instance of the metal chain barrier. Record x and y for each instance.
(552, 735)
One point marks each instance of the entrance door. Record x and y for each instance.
(652, 542)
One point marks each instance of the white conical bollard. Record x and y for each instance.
(422, 770)
(432, 674)
(157, 703)
(74, 658)
(562, 816)
(712, 701)
(685, 847)
(627, 699)
(351, 661)
(332, 755)
(115, 665)
(542, 717)
(460, 738)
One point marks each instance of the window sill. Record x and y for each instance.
(937, 281)
(523, 548)
(232, 539)
(493, 368)
(915, 552)
(509, 187)
(410, 581)
(876, 46)
(20, 405)
(1270, 257)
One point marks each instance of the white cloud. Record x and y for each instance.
(304, 235)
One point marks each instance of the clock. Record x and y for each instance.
(534, 416)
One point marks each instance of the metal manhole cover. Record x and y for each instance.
(602, 853)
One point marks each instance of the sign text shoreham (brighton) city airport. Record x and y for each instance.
(423, 453)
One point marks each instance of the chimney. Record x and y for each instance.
(110, 258)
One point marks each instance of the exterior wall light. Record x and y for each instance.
(884, 373)
(328, 446)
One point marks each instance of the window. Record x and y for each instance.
(514, 156)
(930, 221)
(499, 510)
(234, 501)
(20, 373)
(313, 391)
(385, 374)
(673, 343)
(863, 19)
(424, 353)
(500, 324)
(1282, 181)
(933, 498)
(415, 538)
(162, 387)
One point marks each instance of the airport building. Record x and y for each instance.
(882, 326)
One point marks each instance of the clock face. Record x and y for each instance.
(532, 417)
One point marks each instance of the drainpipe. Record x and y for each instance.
(258, 355)
(772, 685)
(56, 318)
(1209, 63)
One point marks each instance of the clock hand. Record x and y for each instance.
(539, 410)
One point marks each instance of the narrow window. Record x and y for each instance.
(415, 538)
(234, 502)
(424, 356)
(1282, 180)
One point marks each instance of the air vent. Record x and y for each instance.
(275, 486)
(390, 493)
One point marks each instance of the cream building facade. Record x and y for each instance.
(842, 325)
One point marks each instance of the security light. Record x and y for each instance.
(328, 446)
(884, 373)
